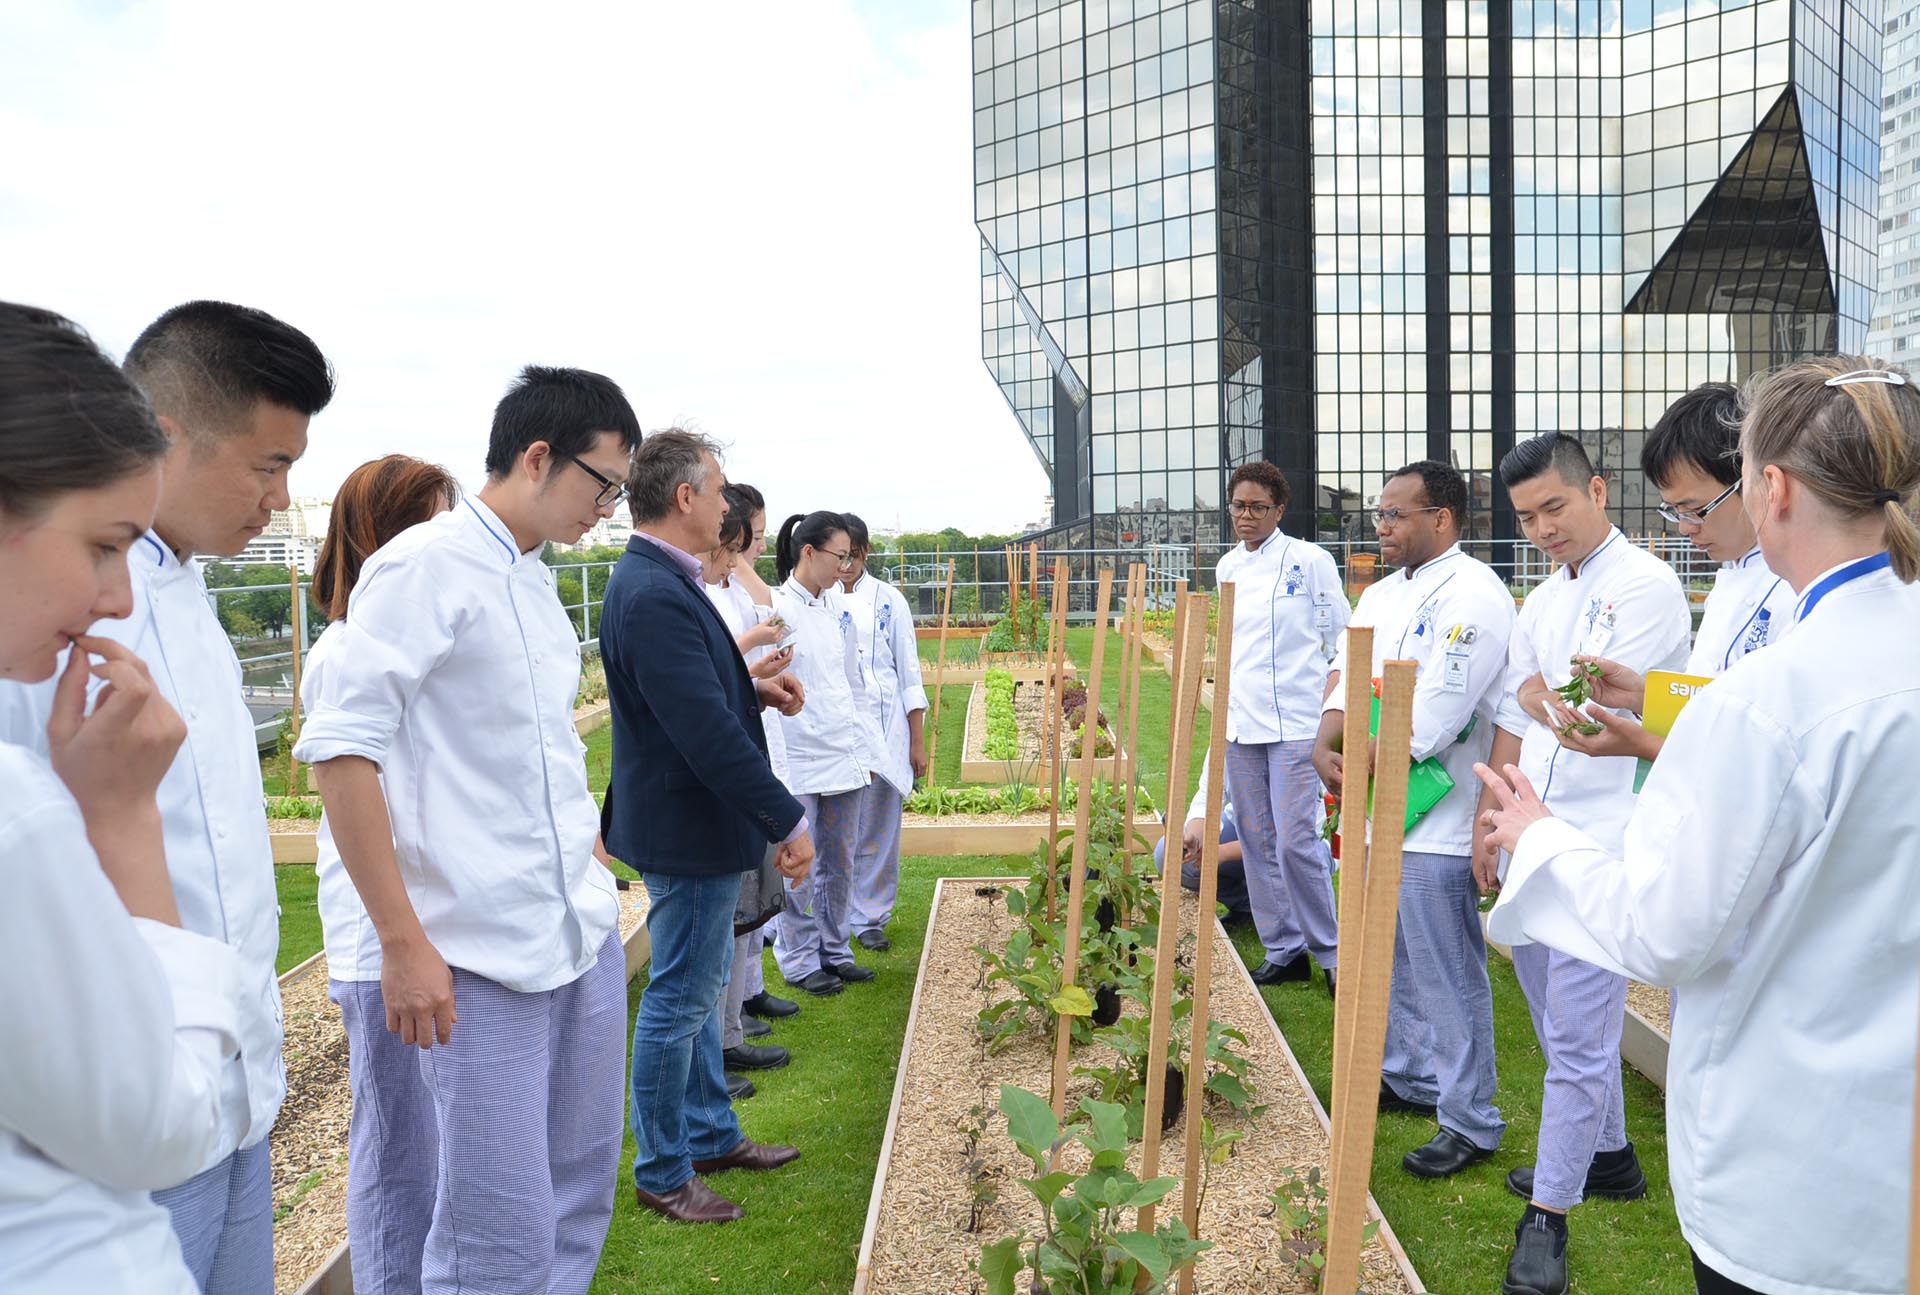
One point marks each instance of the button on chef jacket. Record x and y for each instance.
(219, 856)
(1748, 608)
(1289, 608)
(1453, 617)
(456, 672)
(890, 668)
(1770, 876)
(117, 1034)
(834, 742)
(1626, 605)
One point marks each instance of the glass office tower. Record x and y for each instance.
(1346, 234)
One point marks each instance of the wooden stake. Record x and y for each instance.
(1082, 819)
(1358, 682)
(1056, 666)
(1033, 571)
(1137, 582)
(1368, 978)
(1160, 1022)
(1196, 1169)
(294, 619)
(940, 667)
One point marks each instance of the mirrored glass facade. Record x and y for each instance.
(1352, 233)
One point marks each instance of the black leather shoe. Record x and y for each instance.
(847, 971)
(1615, 1175)
(1448, 1153)
(752, 1027)
(768, 1008)
(1273, 973)
(822, 983)
(739, 1087)
(1392, 1101)
(1333, 988)
(748, 1056)
(1539, 1263)
(876, 940)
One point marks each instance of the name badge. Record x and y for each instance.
(1453, 672)
(1322, 617)
(1601, 619)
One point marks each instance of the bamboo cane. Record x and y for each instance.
(1082, 820)
(1355, 740)
(1195, 1171)
(940, 667)
(1051, 731)
(1130, 770)
(1033, 571)
(1368, 978)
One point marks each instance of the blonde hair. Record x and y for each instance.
(1855, 445)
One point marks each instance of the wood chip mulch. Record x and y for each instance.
(922, 1244)
(1654, 1004)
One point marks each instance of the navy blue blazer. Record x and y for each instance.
(691, 792)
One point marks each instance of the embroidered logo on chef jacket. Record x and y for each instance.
(1760, 635)
(1424, 621)
(1296, 580)
(883, 620)
(1601, 619)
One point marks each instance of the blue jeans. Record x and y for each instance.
(680, 1110)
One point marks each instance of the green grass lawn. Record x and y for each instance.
(299, 919)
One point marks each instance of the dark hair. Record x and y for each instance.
(70, 419)
(376, 502)
(206, 364)
(1443, 486)
(566, 408)
(1701, 428)
(736, 532)
(664, 462)
(1264, 475)
(801, 530)
(1856, 445)
(857, 533)
(1555, 450)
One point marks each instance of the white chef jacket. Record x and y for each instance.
(1626, 605)
(456, 672)
(1289, 608)
(117, 1034)
(1749, 608)
(1769, 876)
(741, 613)
(833, 744)
(219, 856)
(890, 669)
(1453, 617)
(352, 945)
(1197, 807)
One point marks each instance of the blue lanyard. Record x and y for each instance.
(1852, 571)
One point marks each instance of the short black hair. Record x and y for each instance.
(207, 363)
(70, 419)
(857, 533)
(1553, 450)
(801, 530)
(566, 408)
(1443, 486)
(1265, 475)
(1701, 428)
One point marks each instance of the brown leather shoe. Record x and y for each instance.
(691, 1202)
(748, 1154)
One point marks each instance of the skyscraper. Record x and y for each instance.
(1349, 234)
(1895, 331)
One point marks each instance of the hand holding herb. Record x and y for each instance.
(1576, 692)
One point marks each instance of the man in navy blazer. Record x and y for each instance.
(693, 805)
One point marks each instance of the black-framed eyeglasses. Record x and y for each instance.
(1394, 516)
(1680, 517)
(1246, 508)
(844, 559)
(610, 490)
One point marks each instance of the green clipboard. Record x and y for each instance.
(1428, 782)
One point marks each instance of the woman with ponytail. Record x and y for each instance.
(833, 750)
(1770, 874)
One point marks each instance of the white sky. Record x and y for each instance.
(755, 216)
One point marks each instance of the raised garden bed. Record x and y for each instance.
(946, 1149)
(1028, 763)
(310, 1137)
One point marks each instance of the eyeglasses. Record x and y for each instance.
(610, 490)
(1868, 375)
(844, 559)
(1394, 516)
(1241, 508)
(1679, 517)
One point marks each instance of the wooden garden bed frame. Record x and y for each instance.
(995, 773)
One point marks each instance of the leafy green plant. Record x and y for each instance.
(1576, 691)
(1300, 1212)
(293, 807)
(1083, 1246)
(1022, 630)
(1003, 728)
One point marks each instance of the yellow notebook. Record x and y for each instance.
(1668, 692)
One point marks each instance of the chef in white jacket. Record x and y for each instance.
(1451, 614)
(890, 669)
(1607, 598)
(117, 1026)
(234, 389)
(1768, 873)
